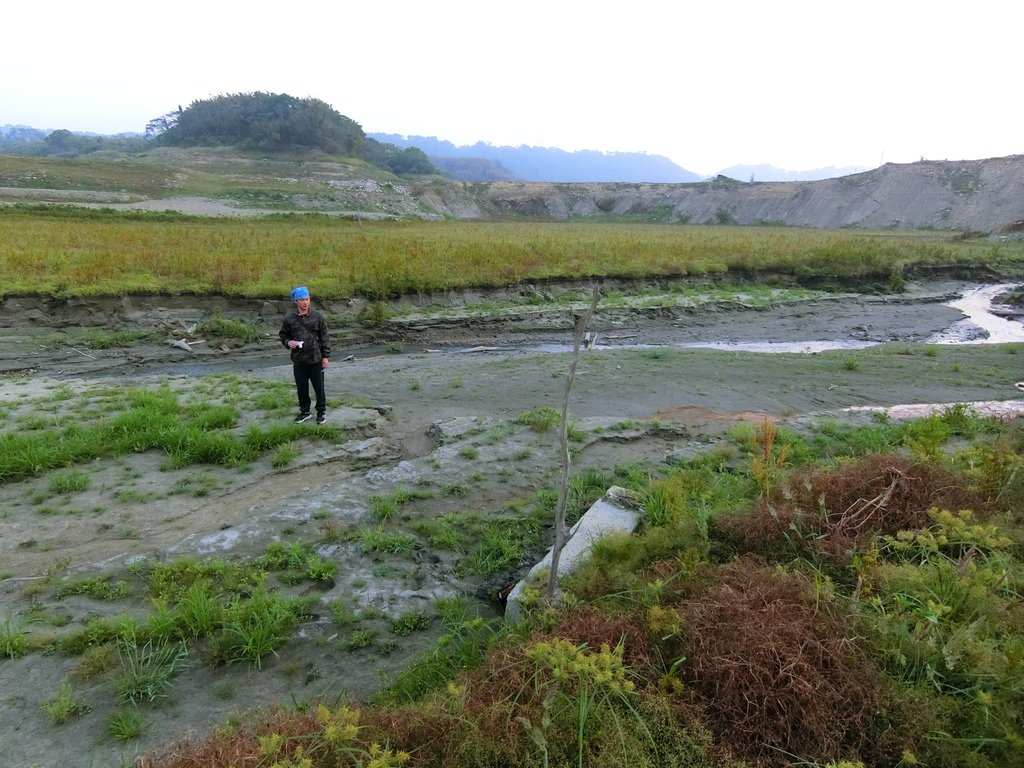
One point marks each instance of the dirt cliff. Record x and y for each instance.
(979, 195)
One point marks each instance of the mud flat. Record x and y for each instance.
(437, 421)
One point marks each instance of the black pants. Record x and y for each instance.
(306, 374)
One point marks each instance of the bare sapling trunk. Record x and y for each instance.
(580, 322)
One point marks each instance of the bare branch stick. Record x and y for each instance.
(580, 323)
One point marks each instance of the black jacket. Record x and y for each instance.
(311, 330)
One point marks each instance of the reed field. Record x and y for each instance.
(86, 252)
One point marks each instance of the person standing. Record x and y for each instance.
(304, 332)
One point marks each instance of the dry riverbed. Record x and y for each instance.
(424, 457)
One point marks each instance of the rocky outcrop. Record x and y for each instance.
(978, 195)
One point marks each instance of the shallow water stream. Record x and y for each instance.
(978, 325)
(976, 305)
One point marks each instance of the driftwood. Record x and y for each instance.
(187, 344)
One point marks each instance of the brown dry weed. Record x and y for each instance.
(834, 510)
(775, 667)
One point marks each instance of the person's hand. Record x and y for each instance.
(324, 363)
(292, 343)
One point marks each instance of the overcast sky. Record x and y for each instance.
(709, 84)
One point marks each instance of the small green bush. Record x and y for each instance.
(361, 638)
(146, 670)
(380, 540)
(64, 705)
(69, 481)
(221, 328)
(383, 508)
(13, 639)
(99, 587)
(126, 725)
(255, 627)
(539, 419)
(409, 622)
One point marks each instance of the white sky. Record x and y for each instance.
(798, 84)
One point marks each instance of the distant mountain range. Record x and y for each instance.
(526, 163)
(771, 173)
(486, 162)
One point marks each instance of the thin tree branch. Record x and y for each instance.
(580, 323)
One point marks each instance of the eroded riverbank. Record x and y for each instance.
(130, 336)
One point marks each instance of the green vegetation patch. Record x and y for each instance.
(116, 423)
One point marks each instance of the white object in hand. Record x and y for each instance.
(298, 344)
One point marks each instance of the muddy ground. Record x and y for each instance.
(426, 402)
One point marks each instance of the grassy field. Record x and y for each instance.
(80, 252)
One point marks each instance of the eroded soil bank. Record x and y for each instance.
(433, 416)
(133, 335)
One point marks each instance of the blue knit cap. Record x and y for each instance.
(302, 292)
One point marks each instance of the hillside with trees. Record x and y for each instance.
(263, 121)
(24, 140)
(277, 122)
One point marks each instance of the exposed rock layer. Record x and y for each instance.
(980, 195)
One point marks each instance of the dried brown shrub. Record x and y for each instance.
(837, 509)
(428, 731)
(774, 668)
(594, 628)
(500, 696)
(478, 727)
(239, 748)
(680, 576)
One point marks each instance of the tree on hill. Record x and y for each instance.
(265, 121)
(65, 143)
(277, 122)
(472, 168)
(399, 161)
(160, 125)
